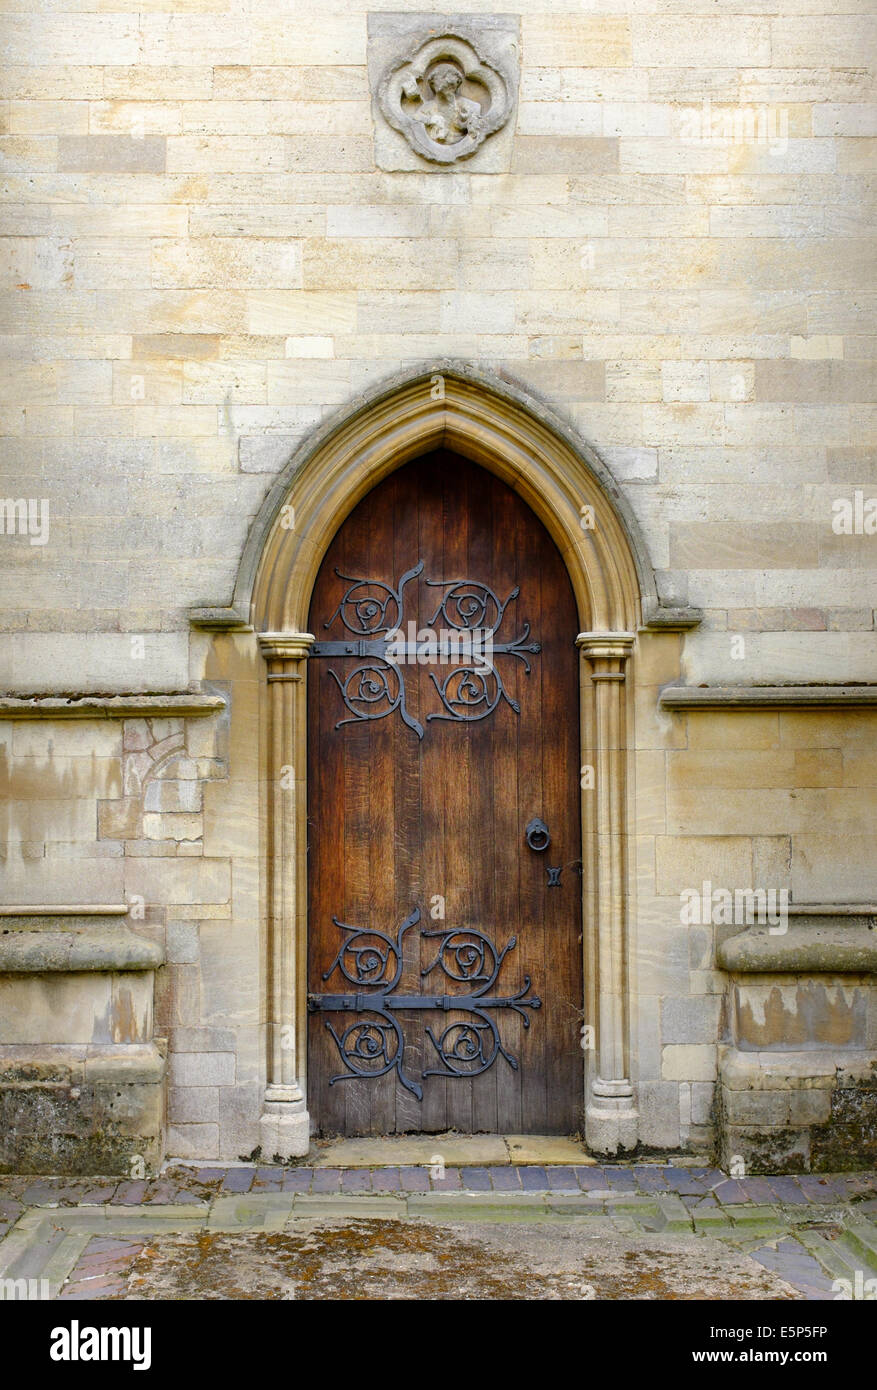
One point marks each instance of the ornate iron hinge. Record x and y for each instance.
(373, 1047)
(470, 611)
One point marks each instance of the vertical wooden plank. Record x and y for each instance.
(326, 882)
(455, 741)
(438, 776)
(531, 951)
(562, 911)
(407, 778)
(377, 1096)
(511, 570)
(484, 566)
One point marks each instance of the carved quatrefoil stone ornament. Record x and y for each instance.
(444, 88)
(446, 100)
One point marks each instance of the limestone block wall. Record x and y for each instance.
(81, 1072)
(202, 257)
(770, 800)
(112, 810)
(798, 1063)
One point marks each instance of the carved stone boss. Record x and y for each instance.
(446, 98)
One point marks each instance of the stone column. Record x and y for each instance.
(284, 1124)
(611, 1120)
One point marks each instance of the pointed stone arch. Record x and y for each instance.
(499, 427)
(483, 418)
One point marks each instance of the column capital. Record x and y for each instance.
(600, 645)
(607, 653)
(285, 646)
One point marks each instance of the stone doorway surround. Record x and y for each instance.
(533, 451)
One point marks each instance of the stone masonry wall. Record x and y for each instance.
(201, 259)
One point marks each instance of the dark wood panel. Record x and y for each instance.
(396, 822)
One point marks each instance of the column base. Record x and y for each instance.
(611, 1124)
(284, 1125)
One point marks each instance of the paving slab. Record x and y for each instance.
(141, 1224)
(347, 1208)
(488, 1210)
(421, 1150)
(862, 1236)
(674, 1213)
(836, 1260)
(478, 1206)
(267, 1211)
(26, 1233)
(753, 1217)
(713, 1221)
(65, 1255)
(31, 1258)
(572, 1204)
(547, 1149)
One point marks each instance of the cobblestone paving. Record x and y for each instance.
(84, 1238)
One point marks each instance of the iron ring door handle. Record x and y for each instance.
(537, 835)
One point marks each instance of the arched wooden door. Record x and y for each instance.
(445, 951)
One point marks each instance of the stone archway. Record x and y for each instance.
(567, 487)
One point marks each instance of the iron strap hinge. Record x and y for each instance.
(373, 1043)
(365, 1003)
(361, 647)
(407, 653)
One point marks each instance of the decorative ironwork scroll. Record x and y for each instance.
(372, 610)
(375, 1043)
(471, 615)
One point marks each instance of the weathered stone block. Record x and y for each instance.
(765, 1150)
(119, 820)
(690, 1020)
(111, 154)
(689, 1062)
(193, 1140)
(702, 1103)
(202, 1068)
(182, 947)
(809, 1107)
(100, 1124)
(849, 1139)
(168, 794)
(188, 1105)
(552, 41)
(768, 1013)
(756, 1107)
(658, 1105)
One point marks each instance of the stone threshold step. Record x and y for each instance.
(453, 1150)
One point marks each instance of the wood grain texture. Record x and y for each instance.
(396, 821)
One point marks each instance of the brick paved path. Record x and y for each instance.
(84, 1237)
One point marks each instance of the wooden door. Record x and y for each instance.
(423, 777)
